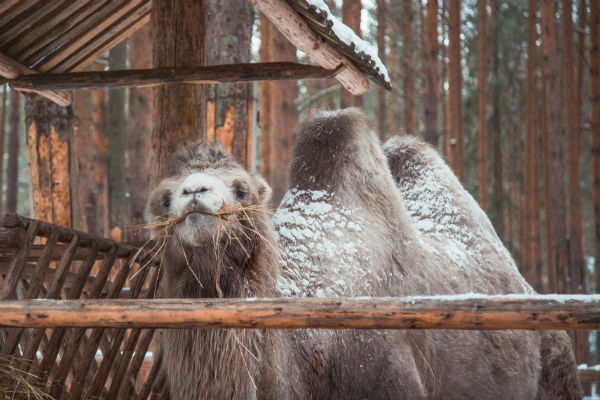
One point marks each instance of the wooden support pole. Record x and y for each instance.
(434, 312)
(89, 80)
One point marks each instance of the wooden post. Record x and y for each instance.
(48, 151)
(179, 114)
(351, 10)
(229, 105)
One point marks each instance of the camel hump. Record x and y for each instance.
(335, 145)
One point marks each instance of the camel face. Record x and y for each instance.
(205, 196)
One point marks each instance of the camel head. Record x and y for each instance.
(207, 196)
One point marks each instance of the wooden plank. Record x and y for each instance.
(589, 374)
(4, 6)
(95, 24)
(296, 30)
(107, 40)
(9, 18)
(11, 69)
(36, 16)
(90, 80)
(51, 28)
(573, 312)
(60, 34)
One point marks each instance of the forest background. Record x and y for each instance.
(507, 90)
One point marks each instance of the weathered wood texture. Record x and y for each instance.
(179, 111)
(12, 162)
(443, 312)
(90, 80)
(296, 30)
(230, 106)
(48, 151)
(595, 123)
(74, 361)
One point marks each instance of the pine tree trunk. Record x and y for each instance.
(228, 42)
(482, 120)
(408, 78)
(265, 55)
(431, 90)
(381, 104)
(495, 135)
(284, 118)
(139, 129)
(444, 80)
(179, 111)
(351, 10)
(48, 151)
(554, 108)
(12, 163)
(582, 348)
(550, 263)
(455, 136)
(532, 267)
(117, 60)
(394, 127)
(595, 125)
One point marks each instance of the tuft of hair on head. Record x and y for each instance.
(199, 155)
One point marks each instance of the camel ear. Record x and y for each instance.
(263, 190)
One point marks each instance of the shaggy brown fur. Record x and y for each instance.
(234, 259)
(441, 207)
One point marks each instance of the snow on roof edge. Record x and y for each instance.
(347, 36)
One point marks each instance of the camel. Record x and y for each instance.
(338, 230)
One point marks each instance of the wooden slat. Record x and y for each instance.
(37, 15)
(571, 312)
(90, 80)
(94, 25)
(60, 34)
(137, 361)
(73, 345)
(107, 40)
(96, 336)
(52, 293)
(9, 18)
(53, 27)
(35, 285)
(4, 6)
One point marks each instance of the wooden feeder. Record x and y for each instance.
(45, 261)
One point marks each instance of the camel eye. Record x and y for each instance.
(241, 194)
(166, 203)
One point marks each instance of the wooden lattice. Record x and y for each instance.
(42, 260)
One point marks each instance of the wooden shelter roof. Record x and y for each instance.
(63, 36)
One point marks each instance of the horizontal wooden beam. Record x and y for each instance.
(435, 312)
(274, 71)
(12, 69)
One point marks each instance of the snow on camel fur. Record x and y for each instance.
(443, 210)
(341, 225)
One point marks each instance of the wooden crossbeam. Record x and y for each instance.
(434, 312)
(151, 77)
(12, 69)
